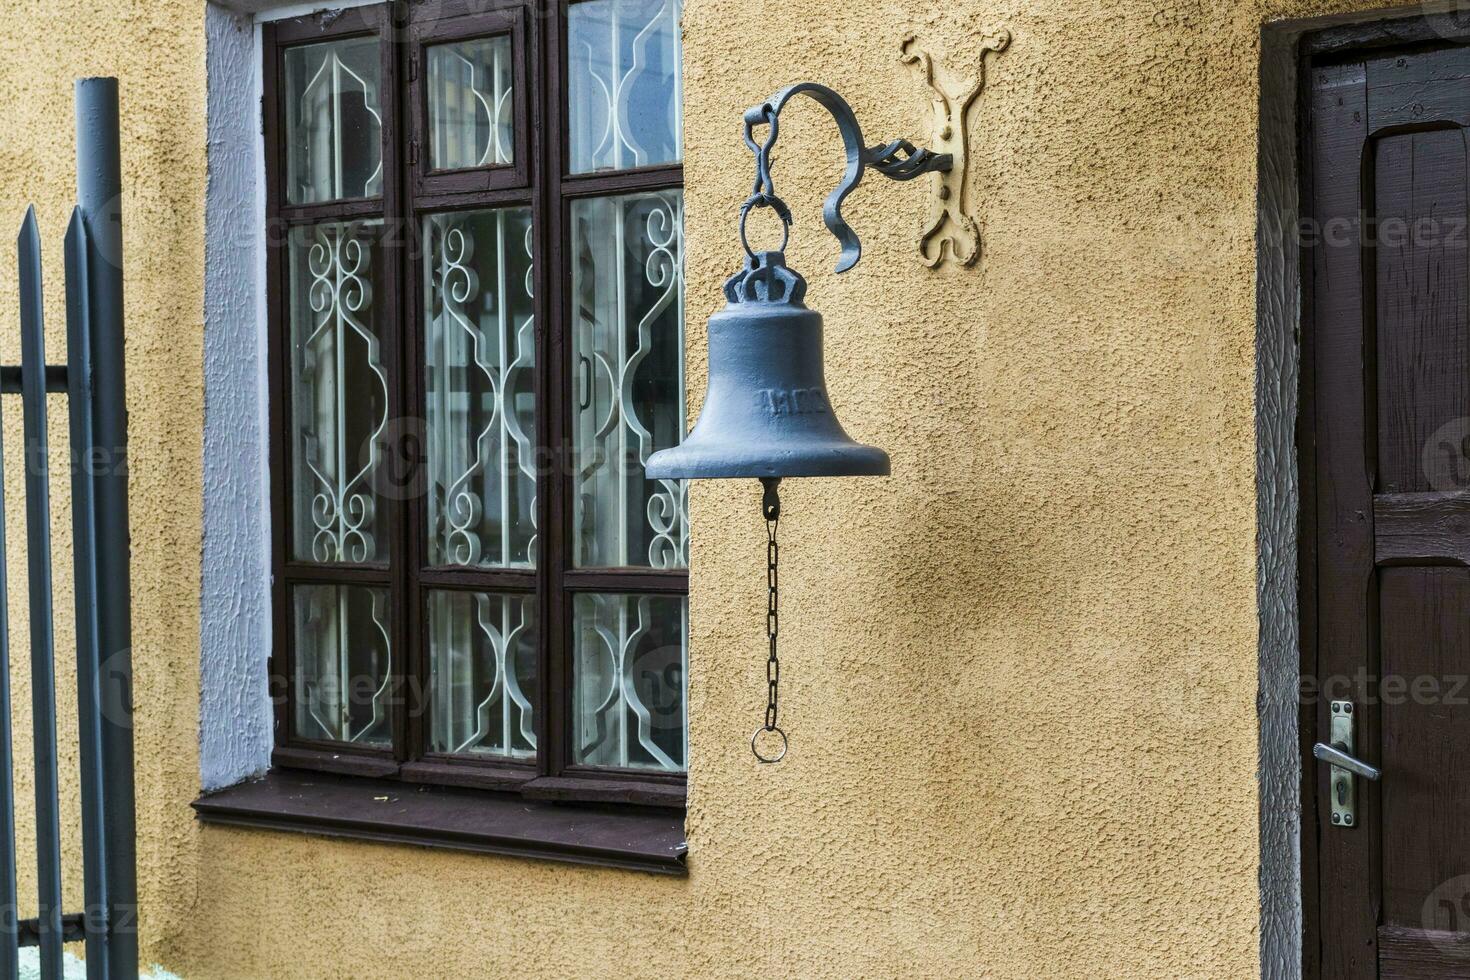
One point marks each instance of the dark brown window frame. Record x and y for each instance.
(537, 179)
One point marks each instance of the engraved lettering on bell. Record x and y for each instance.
(794, 401)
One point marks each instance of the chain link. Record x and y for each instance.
(773, 621)
(771, 508)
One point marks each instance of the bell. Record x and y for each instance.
(766, 413)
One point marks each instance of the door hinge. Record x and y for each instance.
(413, 153)
(261, 120)
(413, 67)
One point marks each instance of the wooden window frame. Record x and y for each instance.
(537, 179)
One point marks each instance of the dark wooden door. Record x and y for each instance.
(1386, 483)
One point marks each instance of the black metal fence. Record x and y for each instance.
(92, 380)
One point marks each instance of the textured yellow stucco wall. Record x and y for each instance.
(1020, 674)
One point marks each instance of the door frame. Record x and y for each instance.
(1285, 463)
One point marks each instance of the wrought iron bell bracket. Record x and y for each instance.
(896, 160)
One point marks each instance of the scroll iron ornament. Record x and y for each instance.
(897, 160)
(950, 224)
(766, 412)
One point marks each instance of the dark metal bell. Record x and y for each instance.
(766, 413)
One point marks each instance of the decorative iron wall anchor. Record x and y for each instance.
(767, 415)
(951, 221)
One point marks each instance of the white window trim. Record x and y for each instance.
(235, 717)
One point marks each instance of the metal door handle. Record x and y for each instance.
(1336, 754)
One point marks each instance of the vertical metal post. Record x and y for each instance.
(99, 192)
(84, 568)
(38, 564)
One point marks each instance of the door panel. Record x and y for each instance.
(1389, 295)
(1423, 371)
(1425, 738)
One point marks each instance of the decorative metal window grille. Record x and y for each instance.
(478, 313)
(339, 396)
(479, 378)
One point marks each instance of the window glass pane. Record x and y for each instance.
(628, 380)
(482, 673)
(630, 661)
(334, 121)
(624, 98)
(342, 653)
(469, 94)
(479, 380)
(339, 395)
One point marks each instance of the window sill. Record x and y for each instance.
(458, 819)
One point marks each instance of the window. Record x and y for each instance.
(477, 305)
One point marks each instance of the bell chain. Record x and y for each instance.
(771, 508)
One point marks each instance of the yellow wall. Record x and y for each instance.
(997, 661)
(156, 48)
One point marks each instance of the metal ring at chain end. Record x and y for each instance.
(782, 212)
(765, 760)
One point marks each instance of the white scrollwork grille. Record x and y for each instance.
(482, 673)
(469, 95)
(343, 655)
(628, 342)
(334, 121)
(625, 80)
(631, 667)
(340, 395)
(480, 351)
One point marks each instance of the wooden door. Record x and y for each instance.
(1386, 484)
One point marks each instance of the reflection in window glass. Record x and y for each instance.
(625, 100)
(470, 100)
(630, 663)
(339, 394)
(482, 673)
(480, 351)
(342, 654)
(334, 121)
(628, 382)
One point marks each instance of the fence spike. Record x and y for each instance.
(9, 909)
(38, 560)
(84, 568)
